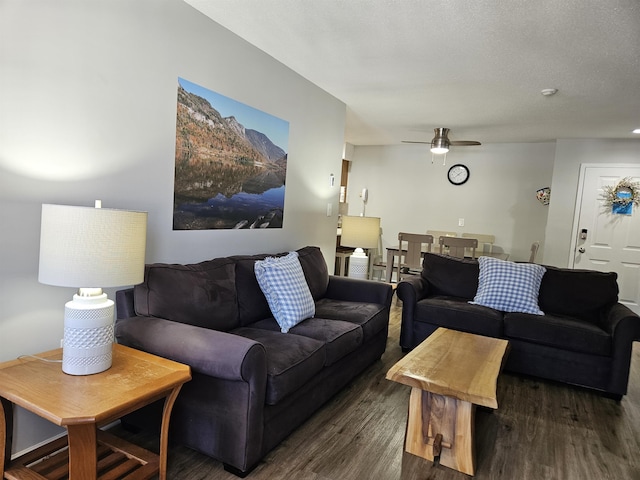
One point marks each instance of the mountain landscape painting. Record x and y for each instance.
(231, 163)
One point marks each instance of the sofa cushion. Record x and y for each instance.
(509, 286)
(201, 294)
(372, 317)
(449, 276)
(458, 314)
(252, 304)
(583, 294)
(561, 332)
(291, 360)
(339, 338)
(315, 270)
(283, 283)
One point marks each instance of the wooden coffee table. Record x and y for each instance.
(81, 404)
(450, 373)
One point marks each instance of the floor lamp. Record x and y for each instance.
(360, 233)
(90, 248)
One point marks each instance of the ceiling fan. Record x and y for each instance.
(441, 143)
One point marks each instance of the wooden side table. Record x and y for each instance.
(81, 404)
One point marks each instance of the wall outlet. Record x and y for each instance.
(461, 222)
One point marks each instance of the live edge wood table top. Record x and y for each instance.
(450, 373)
(81, 404)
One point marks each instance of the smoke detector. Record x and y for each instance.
(547, 92)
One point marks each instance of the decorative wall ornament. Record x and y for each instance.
(544, 195)
(622, 196)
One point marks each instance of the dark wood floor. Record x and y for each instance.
(541, 430)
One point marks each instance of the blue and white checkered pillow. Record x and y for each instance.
(282, 281)
(509, 286)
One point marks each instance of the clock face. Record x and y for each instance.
(458, 174)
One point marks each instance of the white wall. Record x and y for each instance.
(411, 194)
(570, 155)
(87, 110)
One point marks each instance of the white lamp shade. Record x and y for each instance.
(91, 247)
(363, 232)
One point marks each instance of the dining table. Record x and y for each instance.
(392, 253)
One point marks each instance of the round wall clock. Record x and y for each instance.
(458, 174)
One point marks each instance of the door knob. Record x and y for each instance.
(581, 250)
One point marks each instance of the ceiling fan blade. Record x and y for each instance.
(464, 142)
(411, 141)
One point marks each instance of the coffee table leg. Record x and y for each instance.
(83, 456)
(430, 415)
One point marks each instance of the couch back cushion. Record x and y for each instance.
(583, 294)
(315, 271)
(450, 276)
(202, 294)
(252, 304)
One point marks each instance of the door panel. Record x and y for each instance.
(613, 240)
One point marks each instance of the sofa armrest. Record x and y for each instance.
(227, 390)
(410, 290)
(624, 327)
(355, 290)
(210, 352)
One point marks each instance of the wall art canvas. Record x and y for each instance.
(230, 164)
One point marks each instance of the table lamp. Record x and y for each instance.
(361, 233)
(90, 248)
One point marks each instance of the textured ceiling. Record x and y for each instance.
(405, 67)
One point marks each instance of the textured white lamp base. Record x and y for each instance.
(359, 265)
(88, 334)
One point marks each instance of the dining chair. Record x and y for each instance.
(441, 233)
(483, 239)
(411, 247)
(378, 263)
(534, 251)
(456, 246)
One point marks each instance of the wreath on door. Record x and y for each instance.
(622, 196)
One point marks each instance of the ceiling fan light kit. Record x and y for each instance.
(441, 143)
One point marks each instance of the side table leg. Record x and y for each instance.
(83, 451)
(164, 431)
(6, 434)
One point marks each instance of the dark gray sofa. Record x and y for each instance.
(252, 385)
(585, 337)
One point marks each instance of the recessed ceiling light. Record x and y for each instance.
(637, 130)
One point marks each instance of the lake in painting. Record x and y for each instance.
(242, 210)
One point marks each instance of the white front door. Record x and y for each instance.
(605, 241)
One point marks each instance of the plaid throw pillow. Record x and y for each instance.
(509, 286)
(282, 281)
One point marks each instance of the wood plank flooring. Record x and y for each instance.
(541, 430)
